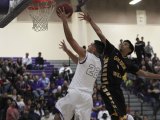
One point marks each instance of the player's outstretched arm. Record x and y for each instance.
(148, 74)
(86, 16)
(78, 49)
(69, 53)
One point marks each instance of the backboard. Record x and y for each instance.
(15, 8)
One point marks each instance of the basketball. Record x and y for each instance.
(67, 7)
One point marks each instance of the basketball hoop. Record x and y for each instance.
(40, 12)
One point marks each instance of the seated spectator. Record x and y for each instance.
(14, 94)
(66, 72)
(12, 112)
(5, 102)
(20, 104)
(27, 106)
(54, 75)
(32, 115)
(154, 92)
(103, 114)
(37, 87)
(47, 116)
(39, 110)
(39, 61)
(145, 117)
(137, 116)
(27, 61)
(45, 80)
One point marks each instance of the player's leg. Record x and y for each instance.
(84, 108)
(114, 101)
(64, 108)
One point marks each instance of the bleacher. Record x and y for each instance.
(48, 67)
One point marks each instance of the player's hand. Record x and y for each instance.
(63, 46)
(61, 13)
(85, 16)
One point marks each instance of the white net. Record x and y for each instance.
(40, 12)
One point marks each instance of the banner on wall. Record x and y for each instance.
(141, 17)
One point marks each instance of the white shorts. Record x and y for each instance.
(76, 102)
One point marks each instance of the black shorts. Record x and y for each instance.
(114, 100)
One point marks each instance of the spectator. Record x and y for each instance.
(20, 104)
(145, 117)
(37, 87)
(45, 80)
(121, 41)
(5, 102)
(103, 114)
(32, 115)
(143, 46)
(27, 61)
(155, 59)
(149, 50)
(47, 116)
(39, 61)
(137, 116)
(66, 72)
(39, 110)
(12, 112)
(139, 50)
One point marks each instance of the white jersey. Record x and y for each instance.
(129, 117)
(86, 73)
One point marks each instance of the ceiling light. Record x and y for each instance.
(133, 2)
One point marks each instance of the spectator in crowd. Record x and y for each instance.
(139, 50)
(12, 112)
(32, 115)
(27, 106)
(47, 116)
(39, 110)
(154, 92)
(5, 101)
(27, 61)
(143, 46)
(39, 61)
(80, 4)
(155, 59)
(149, 50)
(145, 117)
(66, 72)
(20, 104)
(121, 41)
(37, 87)
(45, 80)
(14, 94)
(103, 114)
(137, 115)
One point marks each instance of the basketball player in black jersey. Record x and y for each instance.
(114, 67)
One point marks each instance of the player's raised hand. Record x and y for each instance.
(63, 46)
(85, 16)
(61, 13)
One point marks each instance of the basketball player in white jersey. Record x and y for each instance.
(78, 101)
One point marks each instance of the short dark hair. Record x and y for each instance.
(130, 46)
(99, 46)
